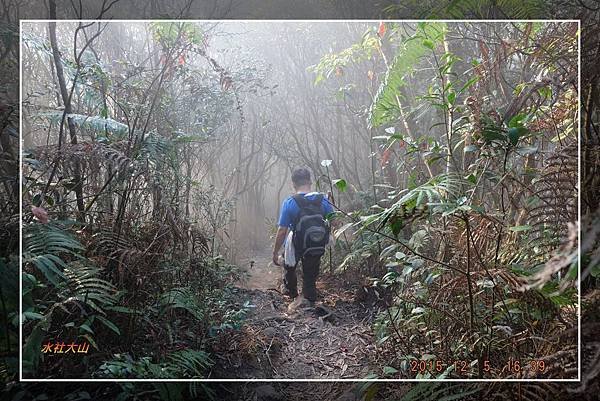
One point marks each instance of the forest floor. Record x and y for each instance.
(331, 340)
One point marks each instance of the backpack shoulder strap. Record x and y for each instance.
(302, 202)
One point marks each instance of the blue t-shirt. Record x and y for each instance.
(290, 209)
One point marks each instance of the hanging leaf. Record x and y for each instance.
(381, 30)
(385, 158)
(514, 134)
(389, 370)
(451, 97)
(520, 228)
(340, 184)
(428, 44)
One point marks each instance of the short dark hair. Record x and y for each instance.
(301, 176)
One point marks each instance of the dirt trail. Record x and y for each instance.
(331, 340)
(262, 274)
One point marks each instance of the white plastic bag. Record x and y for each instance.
(289, 252)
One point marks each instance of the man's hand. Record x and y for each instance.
(276, 259)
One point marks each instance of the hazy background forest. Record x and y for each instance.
(425, 390)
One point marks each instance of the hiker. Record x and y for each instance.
(305, 232)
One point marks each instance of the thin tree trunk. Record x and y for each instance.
(66, 99)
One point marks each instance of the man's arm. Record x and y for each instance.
(279, 238)
(285, 220)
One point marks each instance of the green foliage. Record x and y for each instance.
(441, 194)
(513, 9)
(231, 319)
(72, 280)
(336, 62)
(340, 184)
(42, 246)
(440, 392)
(386, 107)
(169, 33)
(83, 283)
(179, 364)
(470, 9)
(182, 299)
(100, 125)
(451, 211)
(443, 206)
(32, 347)
(189, 364)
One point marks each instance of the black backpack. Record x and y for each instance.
(311, 232)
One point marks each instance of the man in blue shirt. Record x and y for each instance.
(290, 211)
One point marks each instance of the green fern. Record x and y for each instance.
(182, 299)
(109, 243)
(515, 9)
(156, 148)
(43, 246)
(55, 253)
(180, 364)
(188, 363)
(440, 392)
(385, 107)
(441, 191)
(84, 285)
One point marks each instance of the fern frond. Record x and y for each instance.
(386, 105)
(516, 9)
(180, 364)
(43, 246)
(84, 285)
(188, 363)
(440, 392)
(556, 194)
(94, 154)
(183, 299)
(155, 148)
(107, 242)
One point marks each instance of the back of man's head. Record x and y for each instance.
(301, 177)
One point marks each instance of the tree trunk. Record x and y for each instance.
(66, 99)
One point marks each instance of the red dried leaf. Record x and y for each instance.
(385, 158)
(381, 29)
